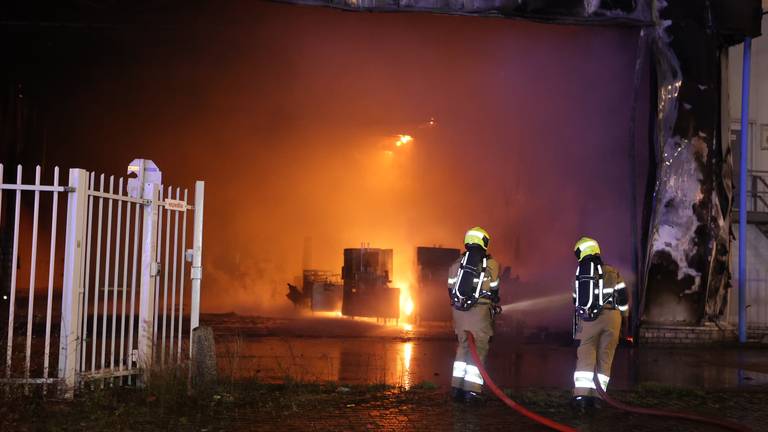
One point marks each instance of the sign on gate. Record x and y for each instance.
(177, 205)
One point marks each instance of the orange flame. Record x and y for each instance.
(403, 139)
(406, 305)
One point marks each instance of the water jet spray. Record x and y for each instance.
(537, 303)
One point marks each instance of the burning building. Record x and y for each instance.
(614, 100)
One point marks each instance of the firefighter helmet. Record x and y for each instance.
(477, 236)
(586, 246)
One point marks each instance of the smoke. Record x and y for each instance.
(291, 115)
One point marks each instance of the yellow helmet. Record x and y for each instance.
(586, 246)
(477, 236)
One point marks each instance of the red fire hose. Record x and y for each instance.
(661, 413)
(618, 405)
(512, 404)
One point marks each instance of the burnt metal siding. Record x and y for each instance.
(687, 269)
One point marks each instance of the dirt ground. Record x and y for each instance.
(251, 406)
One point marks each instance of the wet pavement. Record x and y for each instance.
(248, 406)
(433, 411)
(323, 374)
(404, 359)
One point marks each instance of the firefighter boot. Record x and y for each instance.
(581, 404)
(474, 398)
(457, 394)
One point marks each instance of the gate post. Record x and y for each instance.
(197, 259)
(72, 283)
(149, 272)
(147, 183)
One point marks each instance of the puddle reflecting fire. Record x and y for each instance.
(406, 356)
(404, 363)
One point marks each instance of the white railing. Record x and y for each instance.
(116, 260)
(757, 192)
(757, 301)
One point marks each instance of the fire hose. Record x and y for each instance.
(618, 405)
(500, 394)
(663, 413)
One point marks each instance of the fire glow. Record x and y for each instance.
(403, 139)
(406, 301)
(327, 314)
(406, 305)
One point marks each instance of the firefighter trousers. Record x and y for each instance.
(597, 344)
(477, 320)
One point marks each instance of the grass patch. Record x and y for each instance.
(658, 395)
(540, 398)
(239, 404)
(425, 385)
(166, 404)
(663, 390)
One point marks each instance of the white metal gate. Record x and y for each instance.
(124, 305)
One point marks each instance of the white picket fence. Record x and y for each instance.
(120, 294)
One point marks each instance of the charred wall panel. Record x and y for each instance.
(688, 272)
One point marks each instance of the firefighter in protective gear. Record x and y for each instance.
(601, 301)
(473, 286)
